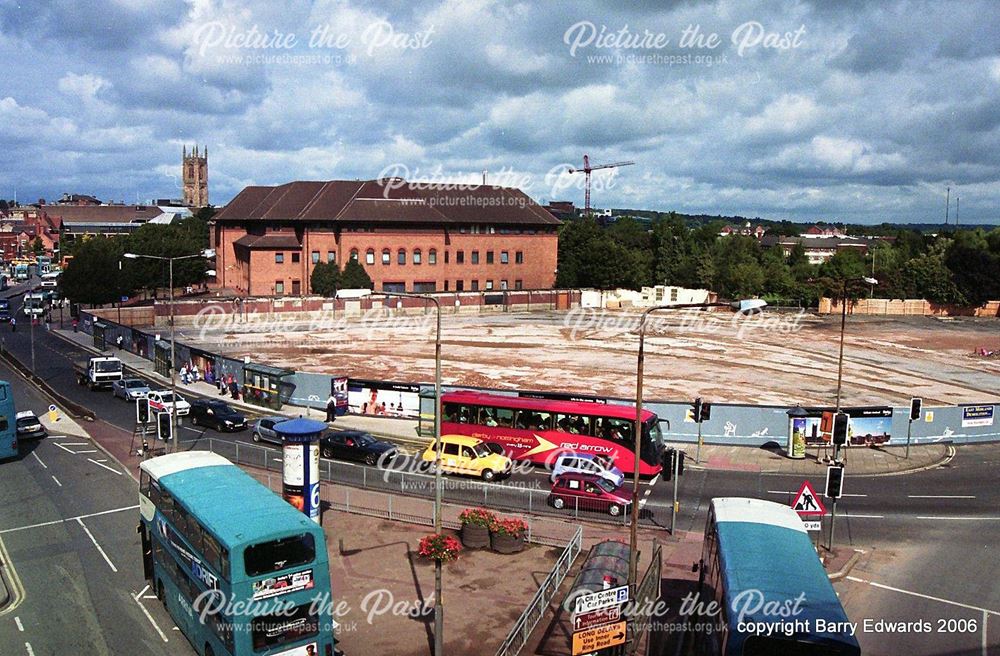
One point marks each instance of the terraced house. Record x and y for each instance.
(407, 238)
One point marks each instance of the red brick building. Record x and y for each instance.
(408, 239)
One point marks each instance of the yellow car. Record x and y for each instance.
(468, 456)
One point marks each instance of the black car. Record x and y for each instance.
(5, 316)
(355, 445)
(216, 414)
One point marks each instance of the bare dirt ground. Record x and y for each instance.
(773, 358)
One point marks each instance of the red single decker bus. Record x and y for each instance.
(539, 429)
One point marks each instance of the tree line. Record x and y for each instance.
(960, 267)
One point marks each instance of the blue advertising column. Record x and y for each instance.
(300, 456)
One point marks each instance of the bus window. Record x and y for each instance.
(144, 484)
(504, 416)
(574, 424)
(268, 557)
(281, 628)
(451, 412)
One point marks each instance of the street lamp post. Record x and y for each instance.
(840, 357)
(744, 306)
(206, 253)
(438, 602)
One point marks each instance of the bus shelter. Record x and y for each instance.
(161, 357)
(100, 332)
(267, 386)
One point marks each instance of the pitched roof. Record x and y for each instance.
(268, 241)
(385, 200)
(102, 213)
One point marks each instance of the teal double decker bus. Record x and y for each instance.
(8, 426)
(240, 571)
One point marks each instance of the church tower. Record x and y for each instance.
(195, 176)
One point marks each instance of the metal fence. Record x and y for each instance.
(363, 491)
(526, 623)
(531, 496)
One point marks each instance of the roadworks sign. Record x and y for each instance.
(807, 502)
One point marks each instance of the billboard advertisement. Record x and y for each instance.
(386, 399)
(867, 426)
(977, 415)
(338, 390)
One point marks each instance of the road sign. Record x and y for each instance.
(812, 525)
(596, 618)
(807, 502)
(597, 638)
(53, 413)
(601, 599)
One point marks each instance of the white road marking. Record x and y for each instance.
(853, 516)
(149, 617)
(27, 646)
(984, 611)
(941, 496)
(788, 492)
(20, 627)
(67, 519)
(75, 443)
(963, 519)
(44, 466)
(99, 464)
(141, 592)
(56, 480)
(75, 453)
(94, 540)
(985, 617)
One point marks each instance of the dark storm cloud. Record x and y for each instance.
(804, 110)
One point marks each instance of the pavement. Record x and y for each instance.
(862, 461)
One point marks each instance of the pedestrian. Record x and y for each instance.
(194, 373)
(331, 408)
(234, 389)
(13, 324)
(119, 340)
(184, 374)
(221, 383)
(75, 325)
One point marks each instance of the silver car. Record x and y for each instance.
(263, 429)
(130, 389)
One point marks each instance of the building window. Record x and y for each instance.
(424, 287)
(315, 257)
(279, 286)
(460, 257)
(489, 257)
(432, 256)
(503, 284)
(519, 257)
(370, 256)
(295, 258)
(331, 257)
(475, 285)
(399, 287)
(354, 255)
(459, 285)
(518, 284)
(401, 256)
(296, 287)
(279, 258)
(475, 257)
(416, 256)
(504, 257)
(446, 285)
(386, 256)
(489, 284)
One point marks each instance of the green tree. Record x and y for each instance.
(37, 247)
(975, 272)
(93, 276)
(325, 279)
(166, 241)
(354, 276)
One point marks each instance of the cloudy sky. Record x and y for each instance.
(856, 111)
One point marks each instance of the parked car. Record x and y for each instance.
(263, 429)
(358, 446)
(29, 427)
(468, 456)
(589, 492)
(130, 389)
(163, 401)
(587, 463)
(216, 414)
(5, 316)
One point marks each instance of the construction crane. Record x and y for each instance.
(587, 168)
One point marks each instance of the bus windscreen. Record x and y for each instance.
(267, 557)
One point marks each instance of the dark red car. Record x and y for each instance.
(588, 492)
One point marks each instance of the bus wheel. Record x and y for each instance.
(615, 510)
(159, 590)
(488, 475)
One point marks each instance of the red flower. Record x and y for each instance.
(439, 547)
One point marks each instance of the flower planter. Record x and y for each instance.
(506, 544)
(475, 537)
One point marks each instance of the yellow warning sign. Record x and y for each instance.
(599, 637)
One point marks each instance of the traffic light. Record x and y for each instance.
(142, 411)
(706, 412)
(834, 481)
(915, 409)
(680, 463)
(164, 426)
(840, 428)
(696, 410)
(668, 463)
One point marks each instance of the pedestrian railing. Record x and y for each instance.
(526, 623)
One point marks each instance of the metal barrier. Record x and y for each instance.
(525, 624)
(466, 491)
